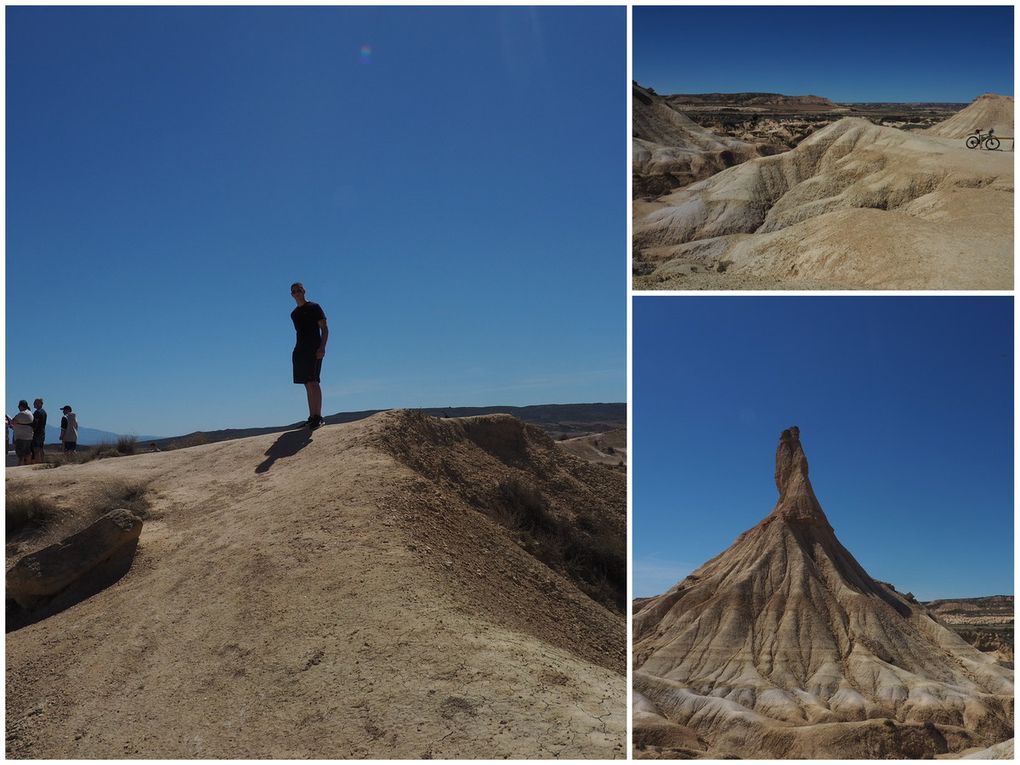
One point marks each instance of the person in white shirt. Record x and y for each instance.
(22, 426)
(69, 429)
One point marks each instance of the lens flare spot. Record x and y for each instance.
(365, 54)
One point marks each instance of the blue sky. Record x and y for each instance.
(905, 407)
(863, 53)
(449, 183)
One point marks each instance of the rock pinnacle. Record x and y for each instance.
(796, 497)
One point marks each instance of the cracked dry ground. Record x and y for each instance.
(331, 604)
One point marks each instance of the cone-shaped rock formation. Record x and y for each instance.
(784, 646)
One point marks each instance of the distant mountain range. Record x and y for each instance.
(90, 436)
(558, 420)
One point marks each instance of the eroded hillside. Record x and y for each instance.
(853, 206)
(384, 588)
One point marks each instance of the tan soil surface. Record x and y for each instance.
(987, 112)
(783, 647)
(608, 448)
(325, 596)
(854, 206)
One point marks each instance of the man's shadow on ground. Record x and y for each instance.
(287, 445)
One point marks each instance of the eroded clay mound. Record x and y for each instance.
(783, 646)
(986, 112)
(671, 150)
(855, 205)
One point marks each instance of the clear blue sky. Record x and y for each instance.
(905, 408)
(449, 183)
(848, 54)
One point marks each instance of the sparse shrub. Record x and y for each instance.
(599, 561)
(128, 495)
(41, 521)
(27, 511)
(99, 452)
(587, 549)
(522, 507)
(127, 444)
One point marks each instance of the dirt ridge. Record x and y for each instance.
(309, 595)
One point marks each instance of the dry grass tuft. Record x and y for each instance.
(36, 520)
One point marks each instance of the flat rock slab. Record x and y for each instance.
(51, 570)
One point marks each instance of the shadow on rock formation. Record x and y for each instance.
(104, 575)
(287, 445)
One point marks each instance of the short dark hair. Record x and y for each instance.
(295, 285)
(22, 404)
(38, 402)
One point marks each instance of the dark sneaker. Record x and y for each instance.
(316, 422)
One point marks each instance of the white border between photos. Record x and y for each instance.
(630, 293)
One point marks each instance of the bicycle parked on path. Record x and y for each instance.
(987, 140)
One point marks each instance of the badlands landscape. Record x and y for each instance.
(401, 586)
(763, 191)
(783, 646)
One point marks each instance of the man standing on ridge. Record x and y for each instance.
(309, 350)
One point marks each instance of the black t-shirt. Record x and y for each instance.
(39, 423)
(306, 321)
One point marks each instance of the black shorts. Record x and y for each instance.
(38, 441)
(23, 447)
(306, 366)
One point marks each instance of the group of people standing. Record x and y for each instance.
(30, 431)
(312, 335)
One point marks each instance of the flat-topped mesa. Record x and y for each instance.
(797, 501)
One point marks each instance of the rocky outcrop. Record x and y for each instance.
(74, 568)
(670, 150)
(784, 646)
